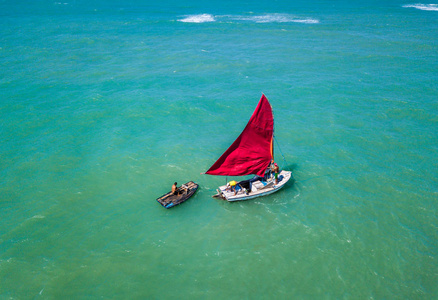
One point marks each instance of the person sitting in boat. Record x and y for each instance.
(267, 174)
(175, 189)
(270, 170)
(237, 188)
(272, 165)
(179, 190)
(231, 186)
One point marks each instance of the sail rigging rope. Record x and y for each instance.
(281, 152)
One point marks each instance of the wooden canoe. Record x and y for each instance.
(170, 200)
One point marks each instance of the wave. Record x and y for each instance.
(266, 18)
(38, 217)
(198, 18)
(432, 7)
(274, 18)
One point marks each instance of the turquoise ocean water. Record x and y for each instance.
(104, 104)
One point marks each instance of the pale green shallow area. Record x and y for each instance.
(104, 106)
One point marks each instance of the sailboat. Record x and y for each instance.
(251, 154)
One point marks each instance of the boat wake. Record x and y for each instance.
(430, 7)
(265, 18)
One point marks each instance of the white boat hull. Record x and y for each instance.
(258, 189)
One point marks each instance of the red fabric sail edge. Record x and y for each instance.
(251, 151)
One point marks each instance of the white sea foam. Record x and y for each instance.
(198, 18)
(306, 21)
(38, 217)
(275, 18)
(266, 18)
(432, 7)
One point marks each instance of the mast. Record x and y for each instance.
(273, 134)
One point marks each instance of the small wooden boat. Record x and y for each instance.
(185, 192)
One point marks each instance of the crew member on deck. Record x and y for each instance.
(270, 171)
(231, 185)
(276, 171)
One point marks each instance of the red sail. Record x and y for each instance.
(251, 152)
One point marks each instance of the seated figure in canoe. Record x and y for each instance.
(179, 190)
